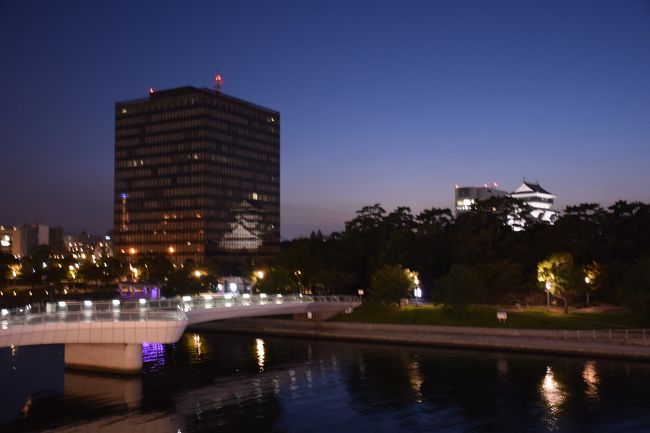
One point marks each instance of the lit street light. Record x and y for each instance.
(548, 296)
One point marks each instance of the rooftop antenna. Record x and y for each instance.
(218, 82)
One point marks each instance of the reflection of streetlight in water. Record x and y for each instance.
(259, 348)
(197, 344)
(590, 376)
(415, 377)
(553, 394)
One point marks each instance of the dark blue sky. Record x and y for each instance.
(391, 102)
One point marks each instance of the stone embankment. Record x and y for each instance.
(610, 344)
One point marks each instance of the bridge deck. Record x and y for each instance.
(162, 321)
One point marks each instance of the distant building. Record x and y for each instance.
(88, 245)
(466, 196)
(197, 176)
(540, 201)
(23, 240)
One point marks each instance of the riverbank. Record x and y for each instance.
(597, 343)
(485, 316)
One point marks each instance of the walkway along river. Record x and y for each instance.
(626, 344)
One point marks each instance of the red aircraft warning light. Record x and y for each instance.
(218, 82)
(151, 90)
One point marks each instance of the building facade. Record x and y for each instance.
(466, 196)
(539, 200)
(197, 176)
(23, 240)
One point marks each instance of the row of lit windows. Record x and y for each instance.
(177, 162)
(139, 237)
(211, 216)
(195, 151)
(248, 162)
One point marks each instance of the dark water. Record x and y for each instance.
(215, 382)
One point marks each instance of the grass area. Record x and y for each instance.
(485, 316)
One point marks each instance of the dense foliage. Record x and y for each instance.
(606, 245)
(590, 253)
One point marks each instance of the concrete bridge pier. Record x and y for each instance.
(123, 358)
(321, 313)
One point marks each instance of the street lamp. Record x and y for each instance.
(548, 296)
(418, 294)
(360, 292)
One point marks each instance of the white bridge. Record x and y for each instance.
(108, 335)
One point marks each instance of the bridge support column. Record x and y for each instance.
(114, 358)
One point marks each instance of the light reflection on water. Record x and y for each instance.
(214, 382)
(590, 376)
(554, 395)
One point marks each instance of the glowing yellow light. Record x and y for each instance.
(197, 273)
(552, 392)
(259, 274)
(171, 250)
(590, 377)
(261, 352)
(132, 251)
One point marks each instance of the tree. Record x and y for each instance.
(460, 287)
(502, 278)
(275, 280)
(593, 278)
(391, 283)
(559, 275)
(635, 285)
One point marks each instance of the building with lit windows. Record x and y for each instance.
(537, 198)
(24, 240)
(197, 176)
(466, 196)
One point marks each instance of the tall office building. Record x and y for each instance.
(197, 176)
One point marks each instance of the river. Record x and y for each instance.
(211, 382)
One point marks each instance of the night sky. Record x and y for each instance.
(390, 102)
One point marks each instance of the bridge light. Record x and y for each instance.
(227, 296)
(61, 304)
(246, 296)
(5, 311)
(88, 303)
(116, 302)
(207, 297)
(262, 295)
(186, 298)
(142, 301)
(278, 295)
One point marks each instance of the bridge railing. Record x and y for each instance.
(208, 301)
(91, 316)
(163, 309)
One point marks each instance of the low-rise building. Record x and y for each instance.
(466, 196)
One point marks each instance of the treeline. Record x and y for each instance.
(489, 254)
